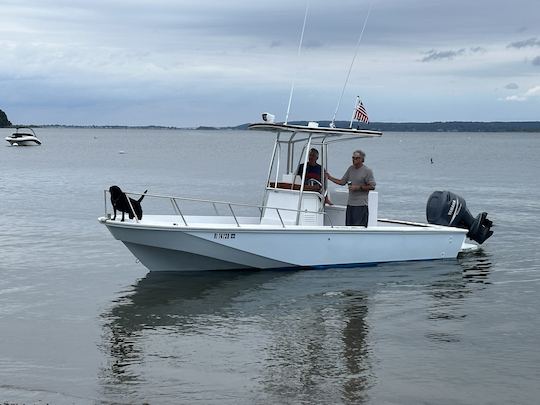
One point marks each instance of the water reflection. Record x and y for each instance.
(307, 342)
(476, 266)
(449, 293)
(282, 336)
(320, 354)
(162, 302)
(162, 299)
(356, 349)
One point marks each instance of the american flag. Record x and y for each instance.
(360, 114)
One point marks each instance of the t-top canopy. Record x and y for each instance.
(316, 131)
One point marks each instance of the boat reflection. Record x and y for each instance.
(357, 353)
(476, 266)
(168, 301)
(286, 335)
(304, 340)
(448, 307)
(321, 353)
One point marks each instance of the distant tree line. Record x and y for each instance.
(450, 126)
(458, 126)
(4, 122)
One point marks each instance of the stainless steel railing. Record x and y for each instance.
(215, 203)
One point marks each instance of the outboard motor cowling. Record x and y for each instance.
(449, 209)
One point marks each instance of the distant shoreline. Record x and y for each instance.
(450, 126)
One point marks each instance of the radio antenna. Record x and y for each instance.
(299, 50)
(332, 124)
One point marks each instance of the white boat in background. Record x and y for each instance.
(293, 227)
(23, 136)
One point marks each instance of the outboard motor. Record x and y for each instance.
(449, 209)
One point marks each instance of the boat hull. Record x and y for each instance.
(23, 141)
(181, 248)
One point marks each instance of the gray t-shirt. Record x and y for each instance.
(360, 176)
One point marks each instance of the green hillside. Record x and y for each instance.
(4, 122)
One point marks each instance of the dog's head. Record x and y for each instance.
(115, 192)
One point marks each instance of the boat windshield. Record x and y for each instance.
(23, 131)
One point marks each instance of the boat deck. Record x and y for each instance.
(252, 223)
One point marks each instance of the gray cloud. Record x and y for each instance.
(511, 86)
(536, 61)
(477, 49)
(313, 44)
(163, 60)
(527, 43)
(434, 55)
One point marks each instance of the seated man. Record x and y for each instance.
(313, 170)
(313, 173)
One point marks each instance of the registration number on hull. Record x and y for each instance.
(226, 235)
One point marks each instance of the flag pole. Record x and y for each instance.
(354, 110)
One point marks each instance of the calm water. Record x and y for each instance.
(82, 322)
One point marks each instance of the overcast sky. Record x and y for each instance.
(207, 62)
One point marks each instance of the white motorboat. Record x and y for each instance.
(23, 136)
(293, 227)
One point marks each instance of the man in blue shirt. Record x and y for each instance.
(313, 170)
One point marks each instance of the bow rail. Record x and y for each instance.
(178, 203)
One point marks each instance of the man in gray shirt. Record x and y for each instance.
(360, 180)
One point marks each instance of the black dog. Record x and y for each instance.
(120, 202)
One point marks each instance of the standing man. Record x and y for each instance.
(360, 180)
